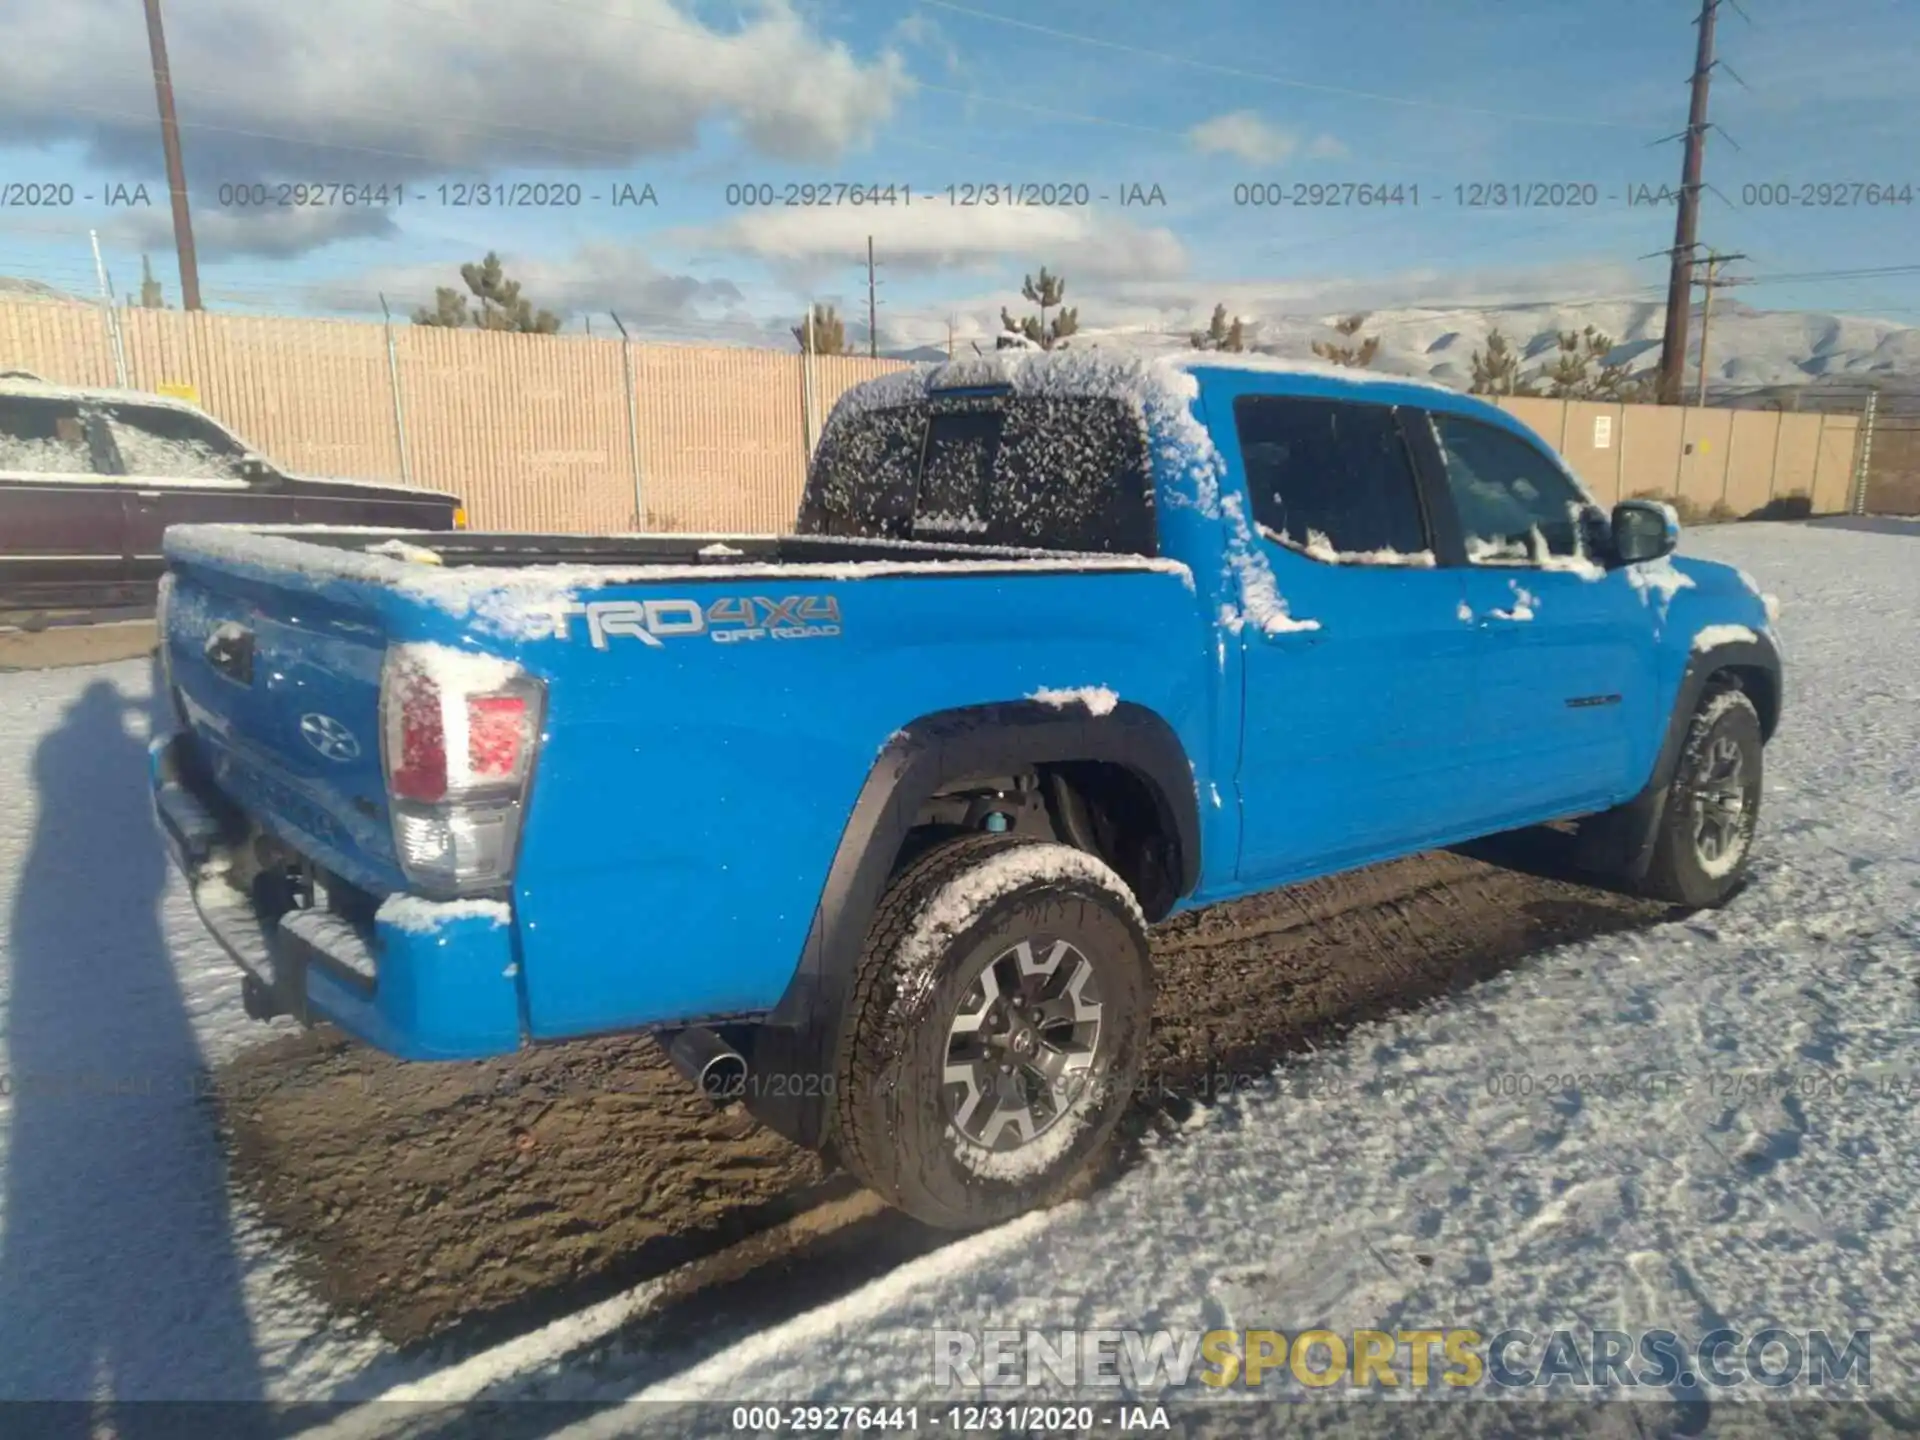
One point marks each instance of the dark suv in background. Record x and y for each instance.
(89, 479)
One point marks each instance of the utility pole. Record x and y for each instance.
(1673, 344)
(949, 337)
(873, 334)
(1712, 283)
(176, 171)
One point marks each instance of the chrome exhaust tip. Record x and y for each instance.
(710, 1064)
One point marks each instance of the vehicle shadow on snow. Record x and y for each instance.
(609, 1188)
(118, 1273)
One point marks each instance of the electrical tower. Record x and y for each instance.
(1673, 344)
(1710, 283)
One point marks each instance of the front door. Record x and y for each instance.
(1565, 652)
(1355, 738)
(182, 469)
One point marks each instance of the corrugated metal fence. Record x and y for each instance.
(533, 430)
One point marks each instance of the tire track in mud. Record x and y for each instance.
(454, 1206)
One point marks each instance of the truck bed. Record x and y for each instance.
(713, 706)
(513, 549)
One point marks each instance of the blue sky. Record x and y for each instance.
(691, 98)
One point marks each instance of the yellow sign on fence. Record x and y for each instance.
(179, 390)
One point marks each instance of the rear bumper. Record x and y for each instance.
(437, 988)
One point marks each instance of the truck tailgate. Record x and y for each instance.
(281, 691)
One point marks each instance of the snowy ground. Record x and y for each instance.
(125, 1269)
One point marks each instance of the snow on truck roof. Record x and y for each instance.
(1161, 383)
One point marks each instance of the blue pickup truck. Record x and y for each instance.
(868, 822)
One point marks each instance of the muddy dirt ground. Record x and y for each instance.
(457, 1204)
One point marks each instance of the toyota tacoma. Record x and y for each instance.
(868, 822)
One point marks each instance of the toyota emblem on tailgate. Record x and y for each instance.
(329, 737)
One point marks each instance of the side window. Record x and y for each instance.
(172, 444)
(1330, 475)
(41, 436)
(1507, 493)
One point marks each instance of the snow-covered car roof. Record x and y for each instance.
(43, 390)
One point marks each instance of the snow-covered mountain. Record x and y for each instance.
(1747, 348)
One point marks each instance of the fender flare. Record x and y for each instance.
(1631, 831)
(795, 1049)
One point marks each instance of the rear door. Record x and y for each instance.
(1356, 732)
(182, 469)
(62, 533)
(1564, 654)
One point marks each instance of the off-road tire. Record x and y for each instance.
(943, 921)
(1726, 725)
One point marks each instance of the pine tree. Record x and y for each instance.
(829, 332)
(1048, 291)
(151, 296)
(1356, 357)
(1220, 333)
(501, 304)
(1573, 378)
(1568, 379)
(1497, 372)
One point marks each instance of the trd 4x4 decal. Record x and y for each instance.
(728, 620)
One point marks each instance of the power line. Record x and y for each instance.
(873, 332)
(1673, 344)
(176, 169)
(1263, 77)
(1711, 283)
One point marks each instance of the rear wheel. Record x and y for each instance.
(1713, 805)
(998, 1026)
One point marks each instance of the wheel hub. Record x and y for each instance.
(1023, 1043)
(1720, 811)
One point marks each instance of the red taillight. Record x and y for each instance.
(496, 732)
(456, 725)
(417, 750)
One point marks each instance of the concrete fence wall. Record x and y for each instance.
(533, 430)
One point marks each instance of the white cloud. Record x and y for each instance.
(372, 91)
(275, 234)
(1244, 135)
(933, 235)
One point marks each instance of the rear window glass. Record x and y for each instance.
(1042, 472)
(43, 436)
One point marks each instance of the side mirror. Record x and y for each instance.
(256, 471)
(1644, 530)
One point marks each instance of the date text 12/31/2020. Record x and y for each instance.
(1034, 1419)
(1554, 194)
